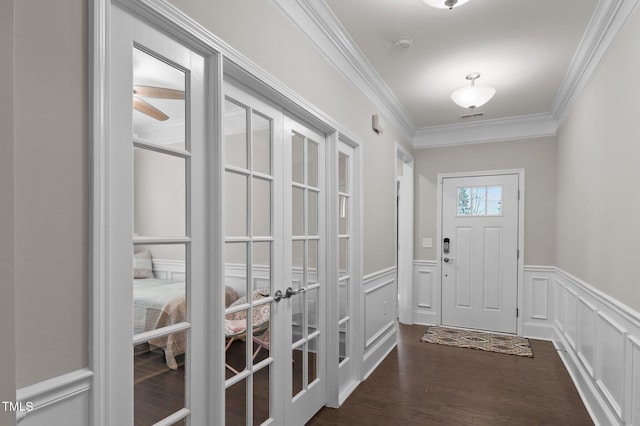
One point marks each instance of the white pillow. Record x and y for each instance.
(142, 265)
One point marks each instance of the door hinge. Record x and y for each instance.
(518, 253)
(517, 312)
(518, 194)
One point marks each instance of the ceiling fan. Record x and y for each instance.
(157, 93)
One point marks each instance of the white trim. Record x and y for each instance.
(600, 359)
(608, 19)
(404, 213)
(377, 275)
(317, 22)
(53, 391)
(500, 129)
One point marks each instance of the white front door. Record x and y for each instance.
(479, 256)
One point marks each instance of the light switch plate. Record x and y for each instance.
(427, 242)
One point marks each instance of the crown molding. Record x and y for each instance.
(605, 25)
(317, 22)
(500, 129)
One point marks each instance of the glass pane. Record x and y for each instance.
(236, 277)
(343, 256)
(297, 212)
(312, 310)
(312, 161)
(297, 365)
(342, 341)
(312, 213)
(262, 267)
(343, 173)
(312, 261)
(159, 294)
(297, 158)
(159, 390)
(158, 101)
(297, 262)
(464, 201)
(494, 200)
(343, 298)
(343, 215)
(261, 144)
(235, 341)
(235, 205)
(261, 210)
(261, 323)
(478, 200)
(159, 188)
(261, 395)
(236, 404)
(312, 360)
(235, 135)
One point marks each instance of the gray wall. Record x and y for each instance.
(51, 189)
(599, 176)
(7, 282)
(536, 156)
(301, 67)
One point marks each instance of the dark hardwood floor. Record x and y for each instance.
(417, 384)
(426, 384)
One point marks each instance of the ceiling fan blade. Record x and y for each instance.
(148, 109)
(158, 92)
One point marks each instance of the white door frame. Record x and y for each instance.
(521, 236)
(404, 221)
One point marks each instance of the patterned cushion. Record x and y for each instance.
(142, 265)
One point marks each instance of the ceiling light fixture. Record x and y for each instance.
(473, 96)
(445, 4)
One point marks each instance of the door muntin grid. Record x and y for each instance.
(249, 261)
(161, 212)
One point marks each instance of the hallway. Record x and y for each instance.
(427, 384)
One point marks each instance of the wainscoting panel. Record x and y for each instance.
(380, 304)
(426, 310)
(600, 337)
(634, 384)
(610, 355)
(587, 334)
(62, 400)
(537, 312)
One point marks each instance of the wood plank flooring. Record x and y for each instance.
(417, 384)
(427, 384)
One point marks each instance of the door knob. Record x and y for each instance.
(278, 296)
(291, 292)
(447, 260)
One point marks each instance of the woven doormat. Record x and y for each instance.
(500, 343)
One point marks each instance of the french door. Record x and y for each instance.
(274, 263)
(480, 252)
(157, 249)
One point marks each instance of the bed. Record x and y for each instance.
(159, 303)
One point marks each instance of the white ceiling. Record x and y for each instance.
(523, 48)
(539, 54)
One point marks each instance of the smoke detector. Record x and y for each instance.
(403, 43)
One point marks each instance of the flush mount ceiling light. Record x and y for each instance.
(473, 96)
(445, 4)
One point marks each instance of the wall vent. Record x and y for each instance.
(472, 115)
